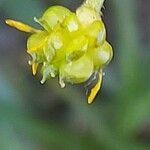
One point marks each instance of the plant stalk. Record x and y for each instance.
(95, 4)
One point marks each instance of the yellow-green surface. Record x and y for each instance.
(75, 61)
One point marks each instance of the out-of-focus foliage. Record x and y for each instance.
(46, 117)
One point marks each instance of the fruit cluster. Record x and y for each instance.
(71, 45)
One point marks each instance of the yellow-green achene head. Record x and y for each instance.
(72, 45)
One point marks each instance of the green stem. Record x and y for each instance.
(95, 4)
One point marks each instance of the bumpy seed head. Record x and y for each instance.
(77, 48)
(102, 55)
(96, 33)
(35, 46)
(71, 23)
(76, 72)
(53, 16)
(54, 45)
(71, 46)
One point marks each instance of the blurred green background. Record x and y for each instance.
(45, 117)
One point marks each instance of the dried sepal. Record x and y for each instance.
(21, 26)
(92, 91)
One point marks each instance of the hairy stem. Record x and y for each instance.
(95, 4)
